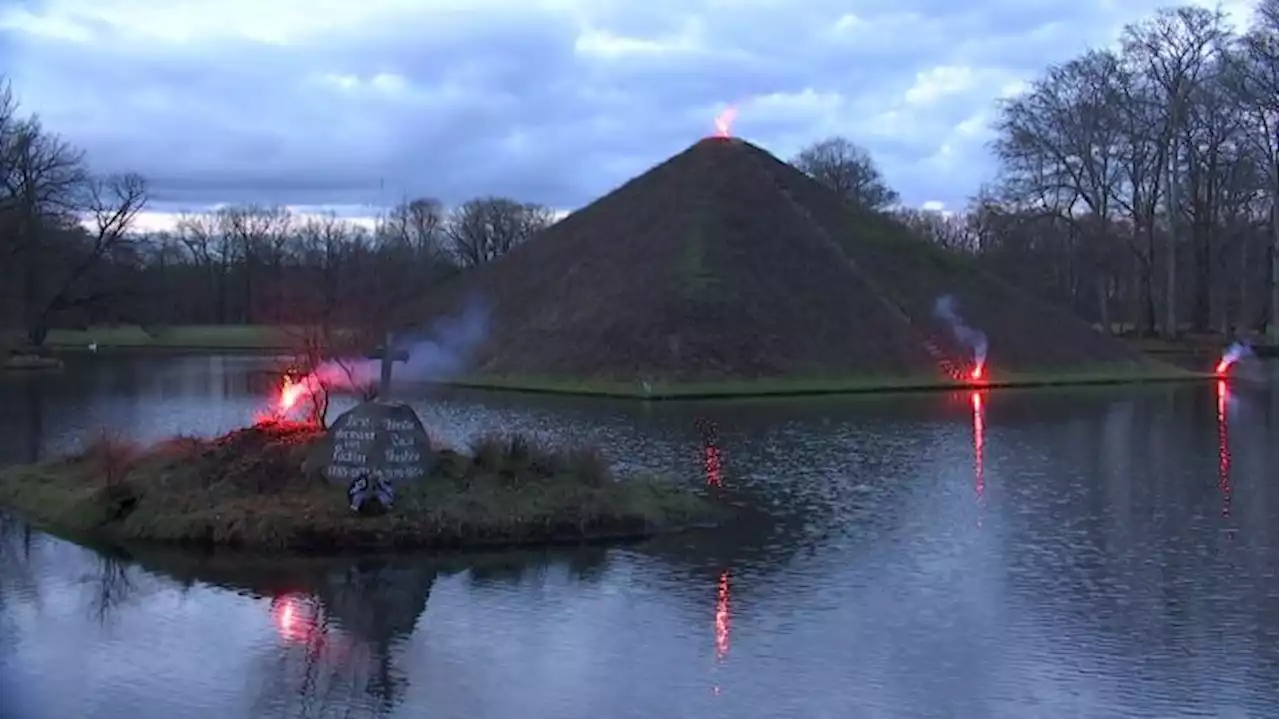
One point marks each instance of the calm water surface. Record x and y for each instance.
(1088, 553)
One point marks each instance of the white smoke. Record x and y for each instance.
(438, 354)
(973, 339)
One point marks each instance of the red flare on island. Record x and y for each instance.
(1224, 364)
(977, 372)
(724, 121)
(291, 391)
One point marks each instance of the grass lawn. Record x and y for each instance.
(186, 337)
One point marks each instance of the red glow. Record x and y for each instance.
(289, 398)
(722, 617)
(290, 392)
(713, 466)
(975, 374)
(724, 121)
(294, 619)
(712, 457)
(979, 440)
(1224, 449)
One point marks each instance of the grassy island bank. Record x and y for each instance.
(814, 386)
(259, 488)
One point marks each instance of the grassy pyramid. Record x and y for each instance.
(723, 263)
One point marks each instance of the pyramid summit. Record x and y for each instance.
(724, 263)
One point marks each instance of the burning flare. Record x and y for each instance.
(1233, 354)
(724, 121)
(975, 340)
(291, 391)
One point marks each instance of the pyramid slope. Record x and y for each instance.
(725, 263)
(1025, 333)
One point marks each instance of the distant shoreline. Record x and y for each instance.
(267, 340)
(781, 388)
(177, 338)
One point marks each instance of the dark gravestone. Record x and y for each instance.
(374, 446)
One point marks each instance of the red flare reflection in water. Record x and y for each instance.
(722, 623)
(724, 121)
(294, 618)
(979, 439)
(712, 457)
(1224, 449)
(712, 464)
(722, 617)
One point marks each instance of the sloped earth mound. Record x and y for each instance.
(723, 263)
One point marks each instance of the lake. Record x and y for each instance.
(1095, 552)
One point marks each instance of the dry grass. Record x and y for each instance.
(260, 488)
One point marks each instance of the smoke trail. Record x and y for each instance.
(1233, 354)
(438, 354)
(975, 340)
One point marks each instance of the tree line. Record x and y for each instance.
(1136, 185)
(73, 256)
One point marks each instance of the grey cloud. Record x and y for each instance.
(501, 103)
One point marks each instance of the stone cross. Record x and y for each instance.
(387, 355)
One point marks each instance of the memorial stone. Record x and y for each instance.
(375, 446)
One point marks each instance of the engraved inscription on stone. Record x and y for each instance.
(378, 439)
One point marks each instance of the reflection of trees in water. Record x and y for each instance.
(34, 421)
(585, 564)
(17, 574)
(1128, 522)
(111, 585)
(22, 421)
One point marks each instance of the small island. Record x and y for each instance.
(29, 361)
(264, 488)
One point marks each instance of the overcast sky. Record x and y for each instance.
(361, 102)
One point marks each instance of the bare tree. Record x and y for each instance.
(1175, 51)
(46, 190)
(1252, 76)
(484, 229)
(848, 169)
(111, 204)
(258, 235)
(950, 232)
(1063, 150)
(418, 226)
